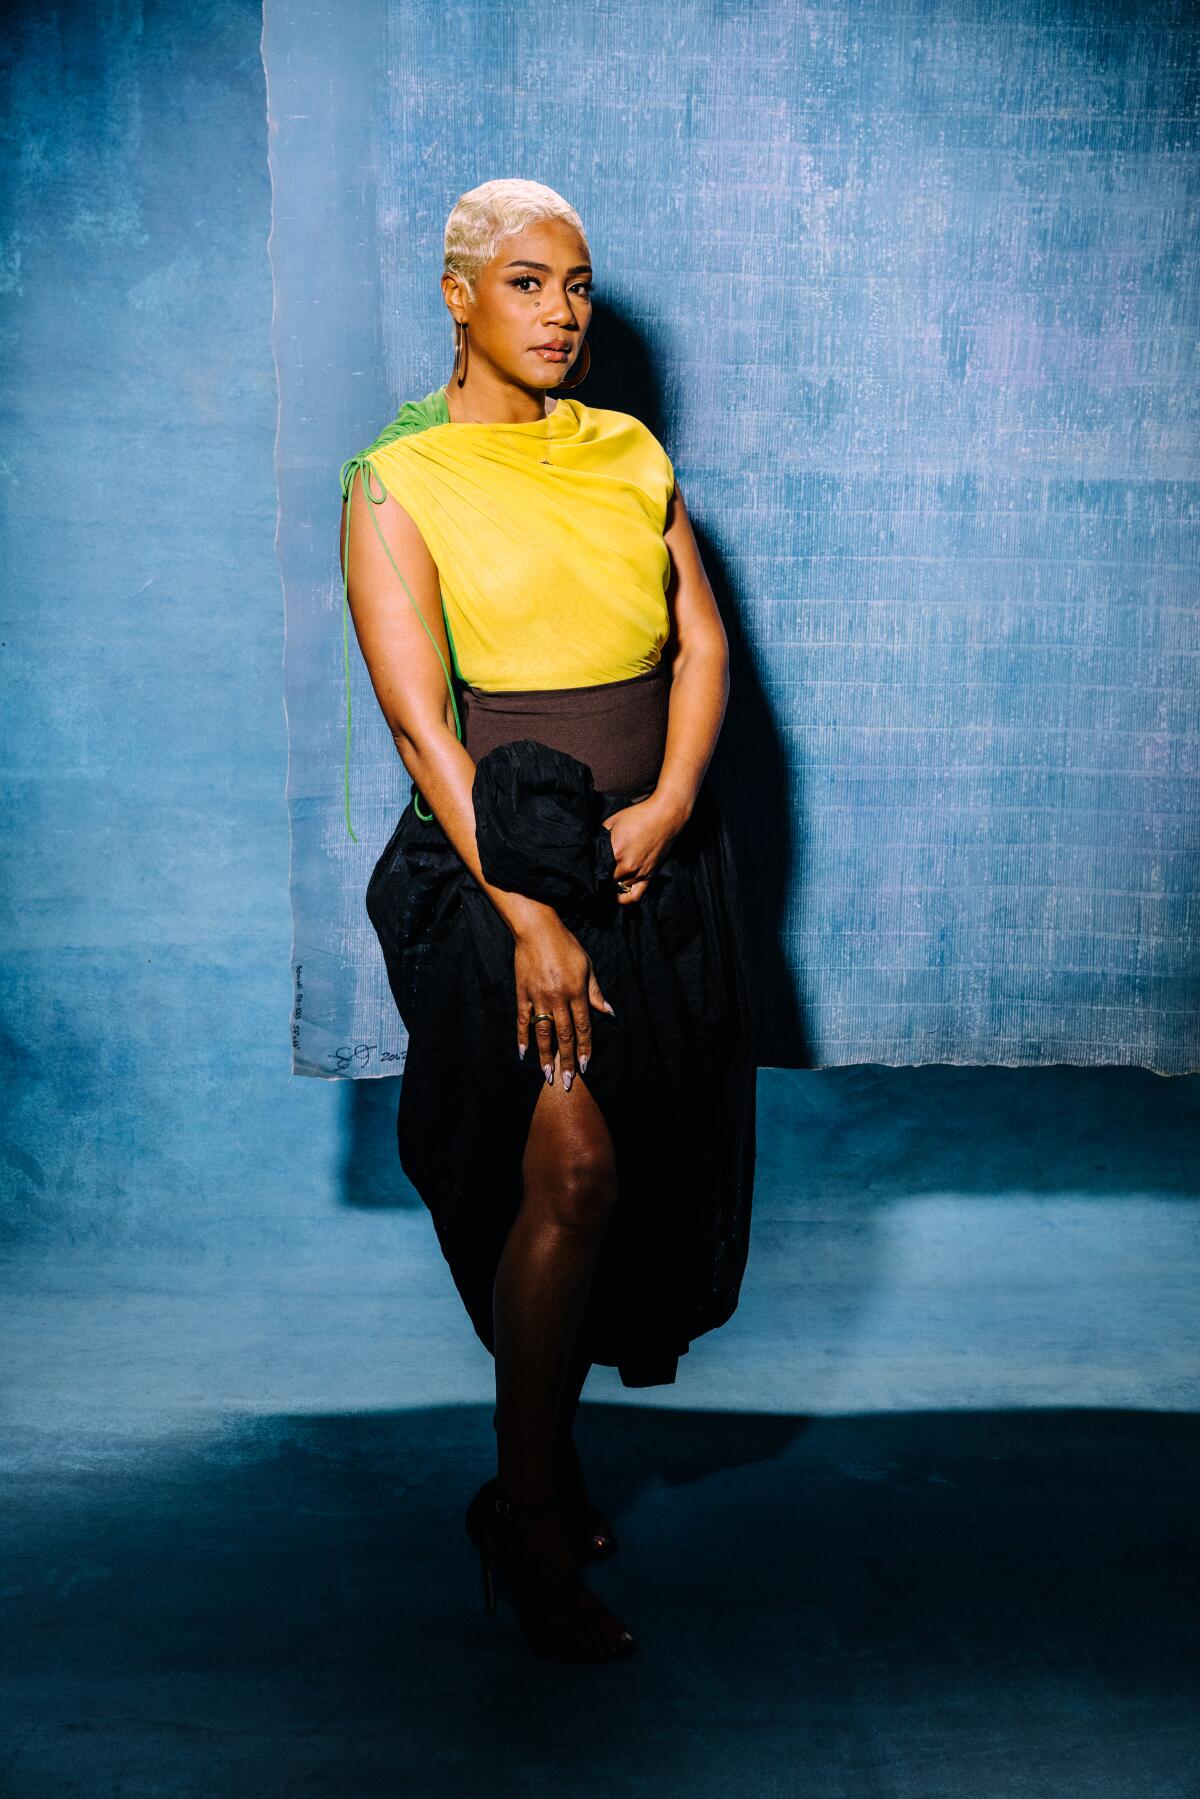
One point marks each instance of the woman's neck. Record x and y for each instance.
(473, 411)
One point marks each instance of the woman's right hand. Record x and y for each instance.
(554, 974)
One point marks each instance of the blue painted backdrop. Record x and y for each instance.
(910, 294)
(144, 957)
(143, 970)
(187, 1233)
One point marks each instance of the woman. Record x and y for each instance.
(560, 881)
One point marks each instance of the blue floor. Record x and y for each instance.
(919, 1522)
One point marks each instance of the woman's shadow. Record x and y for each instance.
(759, 793)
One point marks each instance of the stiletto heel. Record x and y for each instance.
(552, 1603)
(489, 1585)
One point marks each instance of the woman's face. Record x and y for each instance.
(535, 291)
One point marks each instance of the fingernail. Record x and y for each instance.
(583, 1062)
(521, 1048)
(548, 1071)
(568, 1077)
(608, 1008)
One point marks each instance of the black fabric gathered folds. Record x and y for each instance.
(673, 1072)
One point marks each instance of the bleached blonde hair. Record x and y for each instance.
(482, 218)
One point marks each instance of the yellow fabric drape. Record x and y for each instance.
(548, 538)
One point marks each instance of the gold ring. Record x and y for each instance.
(549, 1015)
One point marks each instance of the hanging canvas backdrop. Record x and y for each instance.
(910, 297)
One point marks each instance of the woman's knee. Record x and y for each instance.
(578, 1191)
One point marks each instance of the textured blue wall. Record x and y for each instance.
(911, 296)
(144, 961)
(231, 1348)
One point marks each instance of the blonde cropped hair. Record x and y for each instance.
(482, 218)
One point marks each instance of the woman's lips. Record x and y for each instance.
(552, 355)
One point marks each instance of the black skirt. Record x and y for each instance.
(673, 1072)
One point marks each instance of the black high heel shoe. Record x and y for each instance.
(547, 1602)
(591, 1535)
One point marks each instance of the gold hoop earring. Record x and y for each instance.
(460, 338)
(586, 360)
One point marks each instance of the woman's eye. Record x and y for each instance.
(583, 287)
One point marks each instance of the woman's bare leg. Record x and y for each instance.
(543, 1281)
(578, 1369)
(541, 1292)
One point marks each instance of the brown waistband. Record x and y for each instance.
(619, 728)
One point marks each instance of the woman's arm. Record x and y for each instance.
(552, 972)
(410, 685)
(699, 669)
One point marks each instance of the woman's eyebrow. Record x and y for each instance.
(581, 268)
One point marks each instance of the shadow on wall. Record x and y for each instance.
(762, 803)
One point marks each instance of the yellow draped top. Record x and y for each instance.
(547, 535)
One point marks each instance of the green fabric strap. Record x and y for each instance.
(416, 416)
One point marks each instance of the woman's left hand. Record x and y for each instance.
(641, 835)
